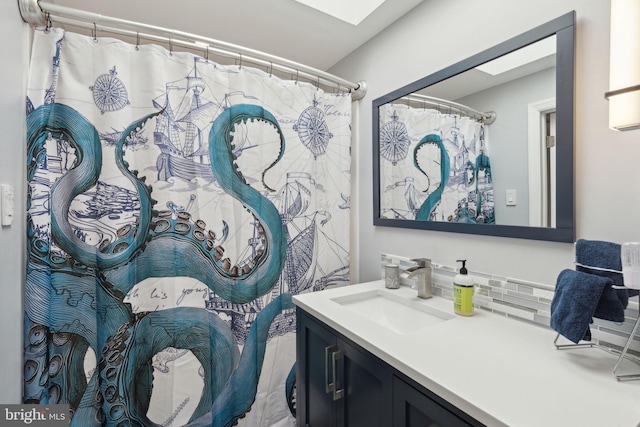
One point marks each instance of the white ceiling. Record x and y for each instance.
(285, 28)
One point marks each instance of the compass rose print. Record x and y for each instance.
(109, 93)
(394, 140)
(313, 130)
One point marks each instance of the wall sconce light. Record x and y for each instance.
(624, 65)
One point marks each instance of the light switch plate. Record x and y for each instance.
(511, 198)
(6, 204)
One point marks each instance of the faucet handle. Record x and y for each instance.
(422, 262)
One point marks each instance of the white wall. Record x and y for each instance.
(13, 51)
(431, 37)
(508, 146)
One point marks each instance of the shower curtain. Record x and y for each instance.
(175, 205)
(434, 166)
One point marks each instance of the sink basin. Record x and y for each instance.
(399, 314)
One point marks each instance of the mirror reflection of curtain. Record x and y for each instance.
(434, 166)
(175, 205)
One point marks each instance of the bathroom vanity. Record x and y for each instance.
(370, 356)
(345, 385)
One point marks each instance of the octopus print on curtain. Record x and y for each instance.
(175, 206)
(434, 167)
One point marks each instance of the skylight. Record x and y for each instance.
(536, 51)
(350, 11)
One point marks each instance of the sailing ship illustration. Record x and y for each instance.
(182, 128)
(301, 230)
(302, 270)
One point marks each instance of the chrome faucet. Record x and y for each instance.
(422, 274)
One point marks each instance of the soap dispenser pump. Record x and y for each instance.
(463, 291)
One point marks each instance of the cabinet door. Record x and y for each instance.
(339, 383)
(412, 408)
(367, 388)
(315, 344)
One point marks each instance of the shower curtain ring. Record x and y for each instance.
(171, 47)
(297, 76)
(271, 69)
(206, 53)
(94, 33)
(137, 41)
(240, 62)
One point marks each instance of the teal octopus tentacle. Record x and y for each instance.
(196, 261)
(53, 366)
(91, 280)
(97, 313)
(60, 119)
(424, 213)
(240, 392)
(95, 309)
(90, 411)
(125, 394)
(200, 259)
(261, 279)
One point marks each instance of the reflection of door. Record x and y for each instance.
(542, 163)
(549, 160)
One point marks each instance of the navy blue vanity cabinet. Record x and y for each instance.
(414, 407)
(338, 383)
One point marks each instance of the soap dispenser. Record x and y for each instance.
(463, 291)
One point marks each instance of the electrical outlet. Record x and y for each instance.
(6, 206)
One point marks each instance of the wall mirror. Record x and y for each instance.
(484, 146)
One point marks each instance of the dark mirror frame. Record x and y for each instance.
(564, 29)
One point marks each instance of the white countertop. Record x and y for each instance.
(501, 371)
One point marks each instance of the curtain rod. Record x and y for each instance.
(484, 118)
(39, 13)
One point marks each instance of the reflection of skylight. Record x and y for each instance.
(533, 52)
(351, 11)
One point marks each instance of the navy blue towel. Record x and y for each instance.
(600, 254)
(574, 303)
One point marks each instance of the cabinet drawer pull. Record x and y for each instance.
(327, 352)
(337, 393)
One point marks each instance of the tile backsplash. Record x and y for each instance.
(521, 300)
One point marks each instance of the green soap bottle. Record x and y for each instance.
(463, 291)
